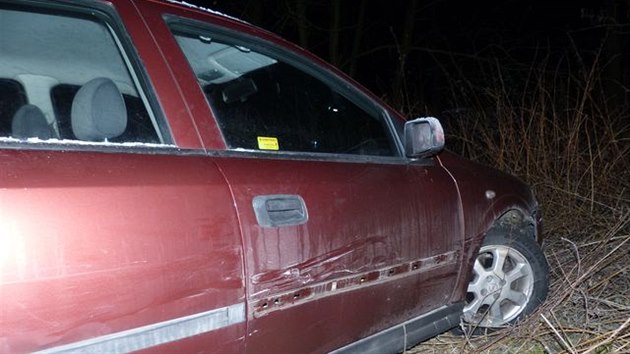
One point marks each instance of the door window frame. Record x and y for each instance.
(108, 17)
(319, 72)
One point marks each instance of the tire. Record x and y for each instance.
(510, 280)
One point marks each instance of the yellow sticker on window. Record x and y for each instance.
(268, 143)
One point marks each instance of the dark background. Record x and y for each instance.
(418, 54)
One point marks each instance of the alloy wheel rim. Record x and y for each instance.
(501, 287)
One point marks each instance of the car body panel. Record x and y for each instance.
(379, 237)
(98, 243)
(505, 192)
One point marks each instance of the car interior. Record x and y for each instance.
(60, 78)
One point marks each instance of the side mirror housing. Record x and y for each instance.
(424, 137)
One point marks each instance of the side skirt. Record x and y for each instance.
(405, 335)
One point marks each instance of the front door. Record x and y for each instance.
(356, 248)
(343, 236)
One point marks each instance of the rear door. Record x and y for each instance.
(343, 236)
(117, 234)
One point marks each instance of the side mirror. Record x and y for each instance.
(424, 137)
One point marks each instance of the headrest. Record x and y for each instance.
(29, 122)
(98, 111)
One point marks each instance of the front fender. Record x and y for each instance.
(488, 198)
(487, 194)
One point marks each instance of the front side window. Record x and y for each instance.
(262, 102)
(63, 76)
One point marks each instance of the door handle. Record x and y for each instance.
(279, 210)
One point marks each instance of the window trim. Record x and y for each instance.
(323, 156)
(109, 18)
(322, 73)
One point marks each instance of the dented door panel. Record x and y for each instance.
(381, 245)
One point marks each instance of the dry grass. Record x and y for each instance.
(587, 310)
(560, 135)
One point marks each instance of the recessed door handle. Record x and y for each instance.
(280, 210)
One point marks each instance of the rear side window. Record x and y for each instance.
(262, 102)
(64, 76)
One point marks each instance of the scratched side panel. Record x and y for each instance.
(382, 245)
(97, 243)
(322, 324)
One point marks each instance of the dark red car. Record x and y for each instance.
(174, 180)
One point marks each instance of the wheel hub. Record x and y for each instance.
(493, 284)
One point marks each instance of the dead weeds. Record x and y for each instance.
(587, 310)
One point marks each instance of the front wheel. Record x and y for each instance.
(510, 280)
